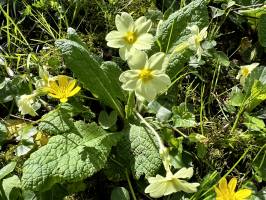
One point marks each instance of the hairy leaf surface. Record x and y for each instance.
(70, 157)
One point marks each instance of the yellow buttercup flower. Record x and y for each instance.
(227, 191)
(61, 87)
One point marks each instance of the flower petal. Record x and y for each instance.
(137, 60)
(124, 22)
(63, 100)
(242, 194)
(160, 81)
(129, 75)
(186, 186)
(125, 52)
(158, 61)
(63, 81)
(232, 185)
(143, 41)
(184, 173)
(115, 39)
(142, 25)
(71, 85)
(73, 92)
(157, 189)
(223, 185)
(218, 192)
(146, 90)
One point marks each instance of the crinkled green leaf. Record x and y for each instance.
(69, 157)
(140, 149)
(173, 32)
(56, 122)
(87, 68)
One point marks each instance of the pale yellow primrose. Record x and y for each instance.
(196, 39)
(146, 76)
(227, 191)
(27, 104)
(162, 186)
(245, 71)
(130, 35)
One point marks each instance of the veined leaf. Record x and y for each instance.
(87, 68)
(70, 157)
(173, 32)
(140, 149)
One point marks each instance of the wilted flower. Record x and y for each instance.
(130, 34)
(61, 87)
(146, 76)
(227, 191)
(196, 39)
(245, 71)
(162, 186)
(27, 104)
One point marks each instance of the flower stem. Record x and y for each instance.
(130, 186)
(161, 145)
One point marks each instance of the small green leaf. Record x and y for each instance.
(120, 193)
(7, 169)
(182, 117)
(221, 58)
(107, 121)
(11, 187)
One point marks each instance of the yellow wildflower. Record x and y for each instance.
(227, 191)
(61, 87)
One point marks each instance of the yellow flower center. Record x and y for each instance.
(245, 71)
(145, 75)
(130, 37)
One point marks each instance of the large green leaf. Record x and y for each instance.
(173, 31)
(69, 157)
(140, 149)
(56, 122)
(87, 68)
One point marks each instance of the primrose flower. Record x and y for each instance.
(130, 35)
(227, 191)
(146, 76)
(61, 87)
(196, 39)
(162, 186)
(27, 104)
(245, 71)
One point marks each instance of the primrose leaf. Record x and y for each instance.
(7, 169)
(11, 187)
(182, 117)
(173, 32)
(141, 150)
(70, 157)
(87, 68)
(56, 122)
(259, 73)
